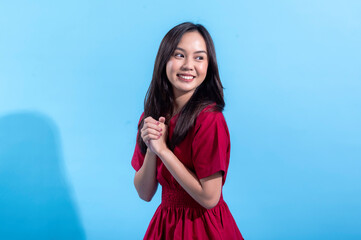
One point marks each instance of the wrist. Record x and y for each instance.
(150, 153)
(162, 152)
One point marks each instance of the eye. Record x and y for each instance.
(199, 58)
(178, 55)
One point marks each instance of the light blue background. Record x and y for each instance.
(73, 75)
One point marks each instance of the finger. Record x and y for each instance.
(147, 131)
(151, 120)
(162, 119)
(152, 125)
(149, 137)
(151, 131)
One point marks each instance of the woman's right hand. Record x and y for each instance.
(150, 130)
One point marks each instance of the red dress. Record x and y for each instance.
(205, 151)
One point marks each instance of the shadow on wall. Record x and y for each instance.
(35, 199)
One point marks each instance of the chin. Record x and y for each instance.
(182, 91)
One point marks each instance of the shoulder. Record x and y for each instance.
(209, 116)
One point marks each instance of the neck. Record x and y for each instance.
(181, 100)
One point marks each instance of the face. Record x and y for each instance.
(187, 67)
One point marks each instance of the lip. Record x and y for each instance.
(185, 74)
(185, 80)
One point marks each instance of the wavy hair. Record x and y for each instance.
(159, 100)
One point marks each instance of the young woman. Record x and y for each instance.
(183, 141)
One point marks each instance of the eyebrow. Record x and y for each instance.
(201, 51)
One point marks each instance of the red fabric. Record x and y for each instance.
(205, 151)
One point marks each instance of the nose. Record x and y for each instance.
(187, 64)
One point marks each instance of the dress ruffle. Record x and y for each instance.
(180, 217)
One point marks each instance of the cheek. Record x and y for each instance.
(168, 68)
(203, 69)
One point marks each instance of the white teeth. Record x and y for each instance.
(186, 77)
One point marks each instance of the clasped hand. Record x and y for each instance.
(154, 134)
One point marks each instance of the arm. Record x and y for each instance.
(206, 191)
(145, 180)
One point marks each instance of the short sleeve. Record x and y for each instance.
(138, 156)
(211, 145)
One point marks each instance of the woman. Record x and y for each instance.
(183, 141)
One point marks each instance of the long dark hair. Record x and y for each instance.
(159, 100)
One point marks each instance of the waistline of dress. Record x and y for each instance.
(180, 198)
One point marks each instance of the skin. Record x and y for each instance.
(190, 57)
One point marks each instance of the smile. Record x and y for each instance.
(186, 78)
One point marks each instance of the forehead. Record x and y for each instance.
(192, 41)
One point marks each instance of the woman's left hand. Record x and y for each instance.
(157, 145)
